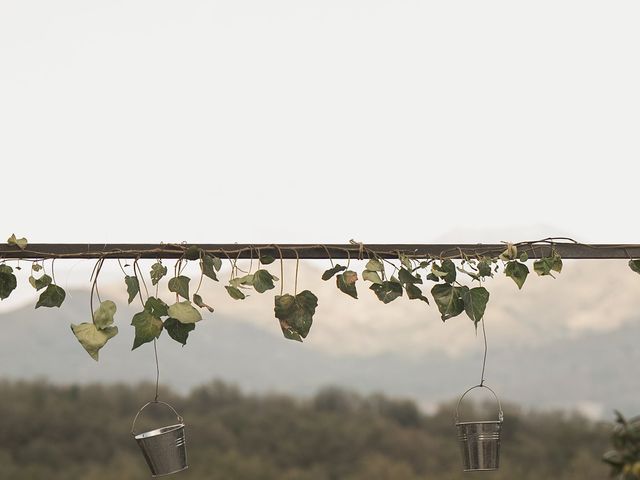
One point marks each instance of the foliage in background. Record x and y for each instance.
(71, 432)
(625, 456)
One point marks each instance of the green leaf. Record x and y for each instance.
(180, 285)
(433, 277)
(184, 312)
(524, 257)
(157, 272)
(405, 261)
(346, 282)
(133, 287)
(103, 316)
(448, 299)
(517, 272)
(21, 243)
(332, 271)
(245, 281)
(374, 265)
(543, 266)
(484, 268)
(267, 259)
(235, 293)
(557, 263)
(8, 281)
(475, 302)
(414, 293)
(450, 268)
(262, 281)
(92, 338)
(148, 328)
(634, 265)
(296, 314)
(387, 291)
(192, 252)
(371, 276)
(209, 266)
(405, 276)
(197, 299)
(36, 267)
(40, 283)
(156, 307)
(53, 296)
(178, 331)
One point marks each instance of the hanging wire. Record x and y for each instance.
(484, 360)
(155, 350)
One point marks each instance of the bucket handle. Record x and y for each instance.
(500, 413)
(133, 427)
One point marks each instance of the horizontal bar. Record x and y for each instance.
(314, 251)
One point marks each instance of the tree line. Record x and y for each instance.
(63, 432)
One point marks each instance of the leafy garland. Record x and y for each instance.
(387, 279)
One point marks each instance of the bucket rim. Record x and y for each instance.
(479, 422)
(169, 473)
(159, 431)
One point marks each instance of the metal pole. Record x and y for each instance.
(314, 251)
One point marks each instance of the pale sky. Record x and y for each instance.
(319, 121)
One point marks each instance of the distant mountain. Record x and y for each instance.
(538, 357)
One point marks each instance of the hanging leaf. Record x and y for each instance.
(346, 282)
(371, 276)
(414, 293)
(156, 307)
(524, 257)
(374, 265)
(180, 285)
(157, 272)
(517, 272)
(103, 316)
(405, 261)
(332, 271)
(192, 252)
(8, 281)
(184, 312)
(484, 268)
(92, 338)
(543, 266)
(634, 265)
(405, 276)
(210, 265)
(510, 253)
(148, 328)
(40, 283)
(263, 281)
(21, 243)
(197, 299)
(178, 331)
(448, 299)
(557, 262)
(296, 314)
(36, 267)
(267, 259)
(446, 270)
(53, 296)
(235, 293)
(133, 287)
(387, 291)
(475, 302)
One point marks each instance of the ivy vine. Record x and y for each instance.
(456, 287)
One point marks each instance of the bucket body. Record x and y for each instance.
(479, 445)
(164, 449)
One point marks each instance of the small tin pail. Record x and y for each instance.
(164, 448)
(480, 441)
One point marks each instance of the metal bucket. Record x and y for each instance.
(164, 448)
(480, 441)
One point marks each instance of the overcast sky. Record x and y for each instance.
(319, 121)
